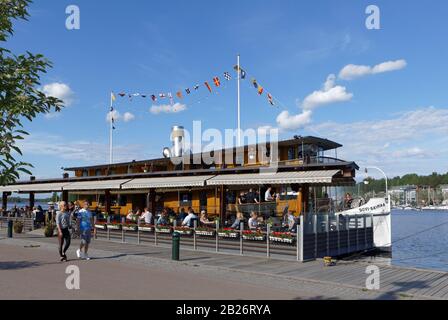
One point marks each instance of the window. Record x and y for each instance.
(185, 199)
(291, 153)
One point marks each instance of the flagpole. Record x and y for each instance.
(239, 105)
(111, 128)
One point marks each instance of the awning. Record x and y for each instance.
(167, 182)
(35, 187)
(321, 177)
(95, 185)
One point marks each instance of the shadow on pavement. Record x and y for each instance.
(14, 265)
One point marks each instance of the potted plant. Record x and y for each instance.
(253, 235)
(202, 231)
(18, 227)
(163, 229)
(183, 230)
(114, 226)
(146, 227)
(129, 226)
(228, 233)
(100, 225)
(285, 237)
(49, 229)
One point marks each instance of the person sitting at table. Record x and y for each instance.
(130, 216)
(182, 215)
(204, 219)
(253, 221)
(146, 216)
(163, 218)
(348, 201)
(189, 220)
(239, 218)
(268, 195)
(292, 222)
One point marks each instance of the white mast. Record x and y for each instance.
(239, 117)
(111, 128)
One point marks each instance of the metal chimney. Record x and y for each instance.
(177, 137)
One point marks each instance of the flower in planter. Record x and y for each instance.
(282, 237)
(253, 235)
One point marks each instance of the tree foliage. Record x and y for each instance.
(433, 180)
(20, 97)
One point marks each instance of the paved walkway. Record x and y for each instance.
(139, 268)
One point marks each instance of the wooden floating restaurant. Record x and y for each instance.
(306, 182)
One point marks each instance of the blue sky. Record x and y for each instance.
(393, 115)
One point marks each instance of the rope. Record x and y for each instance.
(400, 239)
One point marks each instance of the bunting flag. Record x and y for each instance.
(208, 86)
(241, 71)
(254, 82)
(270, 99)
(181, 94)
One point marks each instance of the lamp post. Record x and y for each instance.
(384, 174)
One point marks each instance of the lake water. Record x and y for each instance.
(44, 205)
(415, 246)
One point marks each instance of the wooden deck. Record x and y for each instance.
(395, 282)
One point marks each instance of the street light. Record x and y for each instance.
(384, 174)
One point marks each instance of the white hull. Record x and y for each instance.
(379, 208)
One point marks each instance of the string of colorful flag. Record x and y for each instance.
(215, 83)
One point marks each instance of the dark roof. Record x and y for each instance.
(248, 169)
(325, 144)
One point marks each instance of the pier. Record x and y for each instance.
(345, 280)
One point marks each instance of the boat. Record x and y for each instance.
(301, 173)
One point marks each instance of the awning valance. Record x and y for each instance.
(95, 185)
(319, 177)
(167, 182)
(35, 187)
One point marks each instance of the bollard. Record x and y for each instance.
(10, 225)
(175, 246)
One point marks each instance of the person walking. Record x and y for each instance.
(85, 222)
(63, 224)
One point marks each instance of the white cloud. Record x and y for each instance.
(56, 147)
(293, 122)
(412, 141)
(113, 115)
(411, 152)
(175, 108)
(352, 71)
(127, 117)
(117, 116)
(59, 90)
(329, 94)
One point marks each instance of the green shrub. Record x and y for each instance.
(49, 230)
(18, 227)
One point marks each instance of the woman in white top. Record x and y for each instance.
(204, 219)
(130, 216)
(253, 221)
